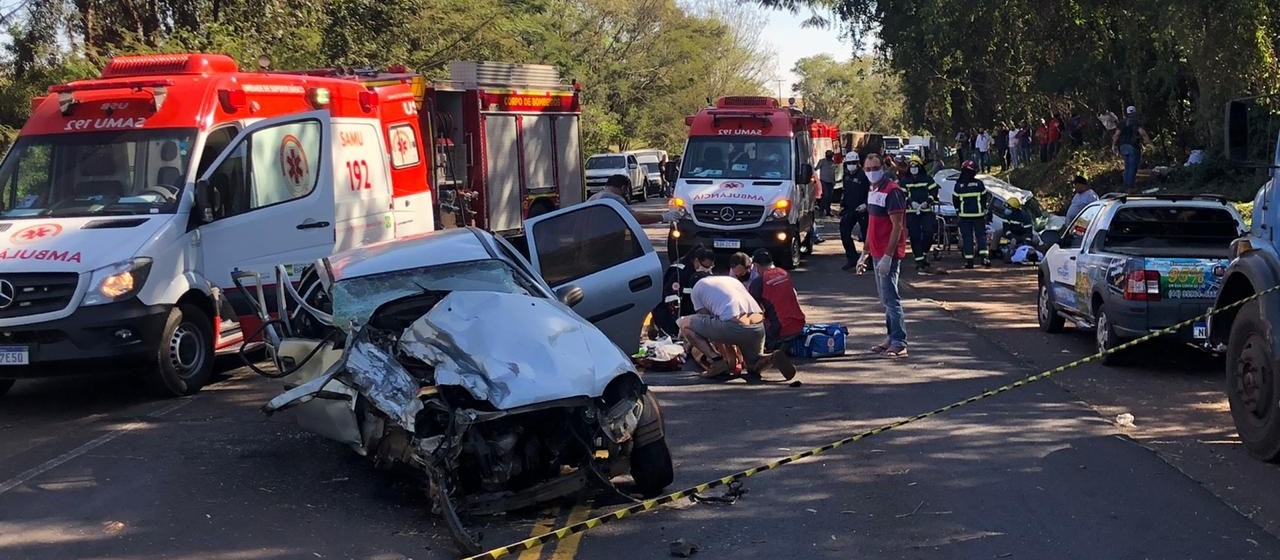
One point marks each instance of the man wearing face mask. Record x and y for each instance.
(972, 201)
(922, 194)
(887, 244)
(853, 208)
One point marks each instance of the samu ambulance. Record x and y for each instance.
(746, 181)
(130, 200)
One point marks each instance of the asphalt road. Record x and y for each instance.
(89, 468)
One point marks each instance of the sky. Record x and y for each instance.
(792, 42)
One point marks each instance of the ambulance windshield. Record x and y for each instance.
(95, 174)
(734, 157)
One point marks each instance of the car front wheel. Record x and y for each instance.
(651, 465)
(1049, 318)
(5, 385)
(1251, 385)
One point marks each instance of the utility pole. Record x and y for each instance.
(779, 89)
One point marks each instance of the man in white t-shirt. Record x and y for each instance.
(726, 314)
(1015, 152)
(983, 145)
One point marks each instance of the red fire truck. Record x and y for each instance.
(746, 180)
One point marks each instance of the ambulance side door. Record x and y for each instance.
(600, 247)
(271, 198)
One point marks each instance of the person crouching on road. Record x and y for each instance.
(972, 202)
(677, 285)
(726, 314)
(783, 318)
(853, 208)
(922, 225)
(887, 243)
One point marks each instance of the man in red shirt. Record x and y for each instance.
(887, 244)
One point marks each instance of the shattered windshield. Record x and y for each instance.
(94, 174)
(355, 299)
(734, 157)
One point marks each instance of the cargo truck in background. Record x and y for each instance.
(133, 202)
(1247, 334)
(746, 181)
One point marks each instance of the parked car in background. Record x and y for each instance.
(652, 162)
(602, 166)
(1131, 265)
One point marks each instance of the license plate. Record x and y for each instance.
(727, 243)
(13, 356)
(1200, 330)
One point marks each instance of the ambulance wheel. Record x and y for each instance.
(806, 246)
(1252, 385)
(184, 360)
(5, 385)
(790, 259)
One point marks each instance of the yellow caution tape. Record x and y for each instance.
(539, 540)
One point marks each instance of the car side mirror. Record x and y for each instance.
(570, 295)
(1050, 238)
(633, 166)
(806, 175)
(204, 201)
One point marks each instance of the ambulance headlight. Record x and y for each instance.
(678, 207)
(780, 209)
(118, 281)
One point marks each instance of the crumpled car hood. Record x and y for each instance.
(514, 350)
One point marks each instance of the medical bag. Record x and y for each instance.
(819, 341)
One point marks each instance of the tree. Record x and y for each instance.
(860, 94)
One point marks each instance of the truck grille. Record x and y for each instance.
(32, 293)
(728, 214)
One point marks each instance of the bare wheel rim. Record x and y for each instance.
(187, 351)
(1253, 378)
(795, 249)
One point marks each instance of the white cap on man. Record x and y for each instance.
(1131, 110)
(851, 156)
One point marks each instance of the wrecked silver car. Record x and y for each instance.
(450, 354)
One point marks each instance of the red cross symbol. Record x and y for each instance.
(36, 233)
(402, 145)
(294, 163)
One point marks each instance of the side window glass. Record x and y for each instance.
(271, 166)
(1078, 228)
(404, 146)
(214, 144)
(583, 242)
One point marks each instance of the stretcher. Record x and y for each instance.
(947, 235)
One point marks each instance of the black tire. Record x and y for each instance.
(1106, 338)
(789, 258)
(1252, 386)
(184, 358)
(1047, 315)
(806, 246)
(5, 385)
(644, 191)
(651, 466)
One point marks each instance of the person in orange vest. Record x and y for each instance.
(783, 317)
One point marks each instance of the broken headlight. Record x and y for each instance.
(620, 421)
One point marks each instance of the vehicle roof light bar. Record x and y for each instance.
(66, 92)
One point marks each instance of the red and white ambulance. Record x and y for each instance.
(746, 181)
(130, 200)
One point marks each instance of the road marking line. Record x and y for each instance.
(84, 448)
(567, 549)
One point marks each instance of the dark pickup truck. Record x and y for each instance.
(1129, 265)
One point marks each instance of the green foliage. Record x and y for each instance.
(859, 94)
(645, 64)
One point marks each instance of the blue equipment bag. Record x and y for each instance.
(819, 341)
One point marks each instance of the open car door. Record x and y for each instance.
(599, 247)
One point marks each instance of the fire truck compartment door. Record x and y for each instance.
(600, 247)
(502, 164)
(273, 198)
(569, 160)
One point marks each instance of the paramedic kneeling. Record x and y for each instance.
(726, 314)
(783, 318)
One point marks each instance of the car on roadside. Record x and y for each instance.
(600, 167)
(1001, 192)
(1131, 265)
(500, 372)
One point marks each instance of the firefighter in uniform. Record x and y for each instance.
(922, 225)
(677, 285)
(1015, 226)
(972, 202)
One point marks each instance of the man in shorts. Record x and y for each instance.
(726, 315)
